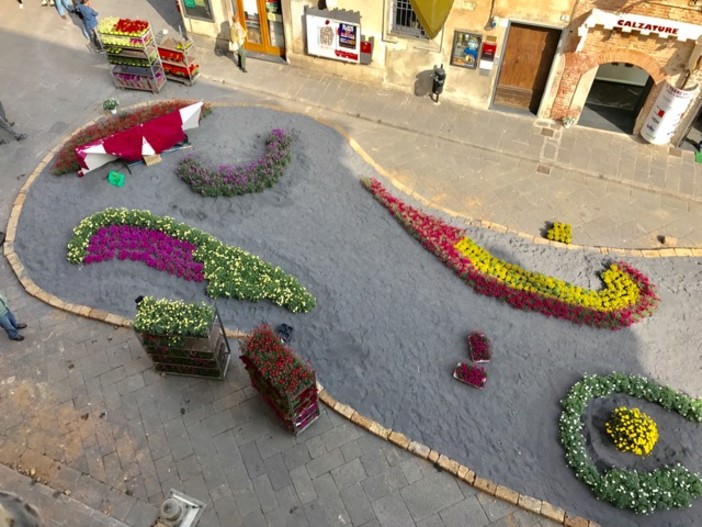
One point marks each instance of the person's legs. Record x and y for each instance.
(9, 324)
(242, 58)
(96, 40)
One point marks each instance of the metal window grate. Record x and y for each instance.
(405, 20)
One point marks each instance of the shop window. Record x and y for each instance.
(404, 20)
(199, 9)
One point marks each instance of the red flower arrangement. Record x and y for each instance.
(67, 160)
(470, 374)
(479, 347)
(129, 27)
(441, 239)
(275, 362)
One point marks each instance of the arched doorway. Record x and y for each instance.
(618, 92)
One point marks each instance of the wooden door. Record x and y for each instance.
(263, 20)
(526, 63)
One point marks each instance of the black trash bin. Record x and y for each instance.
(438, 78)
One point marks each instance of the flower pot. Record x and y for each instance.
(479, 347)
(471, 375)
(113, 110)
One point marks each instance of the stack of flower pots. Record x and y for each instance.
(287, 384)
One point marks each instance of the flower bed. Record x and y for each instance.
(152, 247)
(641, 492)
(231, 180)
(627, 295)
(67, 160)
(230, 271)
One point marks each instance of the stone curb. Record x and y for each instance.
(528, 503)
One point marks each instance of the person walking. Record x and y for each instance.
(7, 125)
(237, 42)
(89, 15)
(8, 321)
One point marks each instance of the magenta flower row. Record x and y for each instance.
(440, 239)
(152, 247)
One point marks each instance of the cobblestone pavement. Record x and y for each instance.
(81, 407)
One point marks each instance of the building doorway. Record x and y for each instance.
(263, 20)
(526, 64)
(616, 97)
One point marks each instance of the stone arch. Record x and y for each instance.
(577, 64)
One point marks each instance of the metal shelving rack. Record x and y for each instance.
(135, 59)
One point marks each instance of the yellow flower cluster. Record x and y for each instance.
(560, 232)
(632, 430)
(620, 290)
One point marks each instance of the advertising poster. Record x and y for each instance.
(333, 39)
(666, 114)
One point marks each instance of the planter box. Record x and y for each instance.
(296, 410)
(479, 381)
(193, 356)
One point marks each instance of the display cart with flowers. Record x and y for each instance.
(183, 339)
(130, 47)
(178, 61)
(286, 383)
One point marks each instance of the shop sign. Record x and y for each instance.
(645, 25)
(666, 114)
(333, 37)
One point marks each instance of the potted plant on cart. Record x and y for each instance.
(110, 105)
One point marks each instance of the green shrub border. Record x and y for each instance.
(641, 492)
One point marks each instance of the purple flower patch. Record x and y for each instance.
(154, 248)
(234, 180)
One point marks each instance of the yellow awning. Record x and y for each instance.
(432, 14)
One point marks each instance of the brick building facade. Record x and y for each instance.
(653, 47)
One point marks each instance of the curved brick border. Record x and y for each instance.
(451, 466)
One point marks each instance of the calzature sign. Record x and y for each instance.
(645, 26)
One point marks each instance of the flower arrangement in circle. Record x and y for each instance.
(626, 298)
(560, 232)
(230, 271)
(66, 160)
(173, 317)
(234, 180)
(632, 430)
(264, 351)
(642, 492)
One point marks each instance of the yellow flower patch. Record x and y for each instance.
(620, 290)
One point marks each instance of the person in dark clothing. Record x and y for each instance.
(90, 22)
